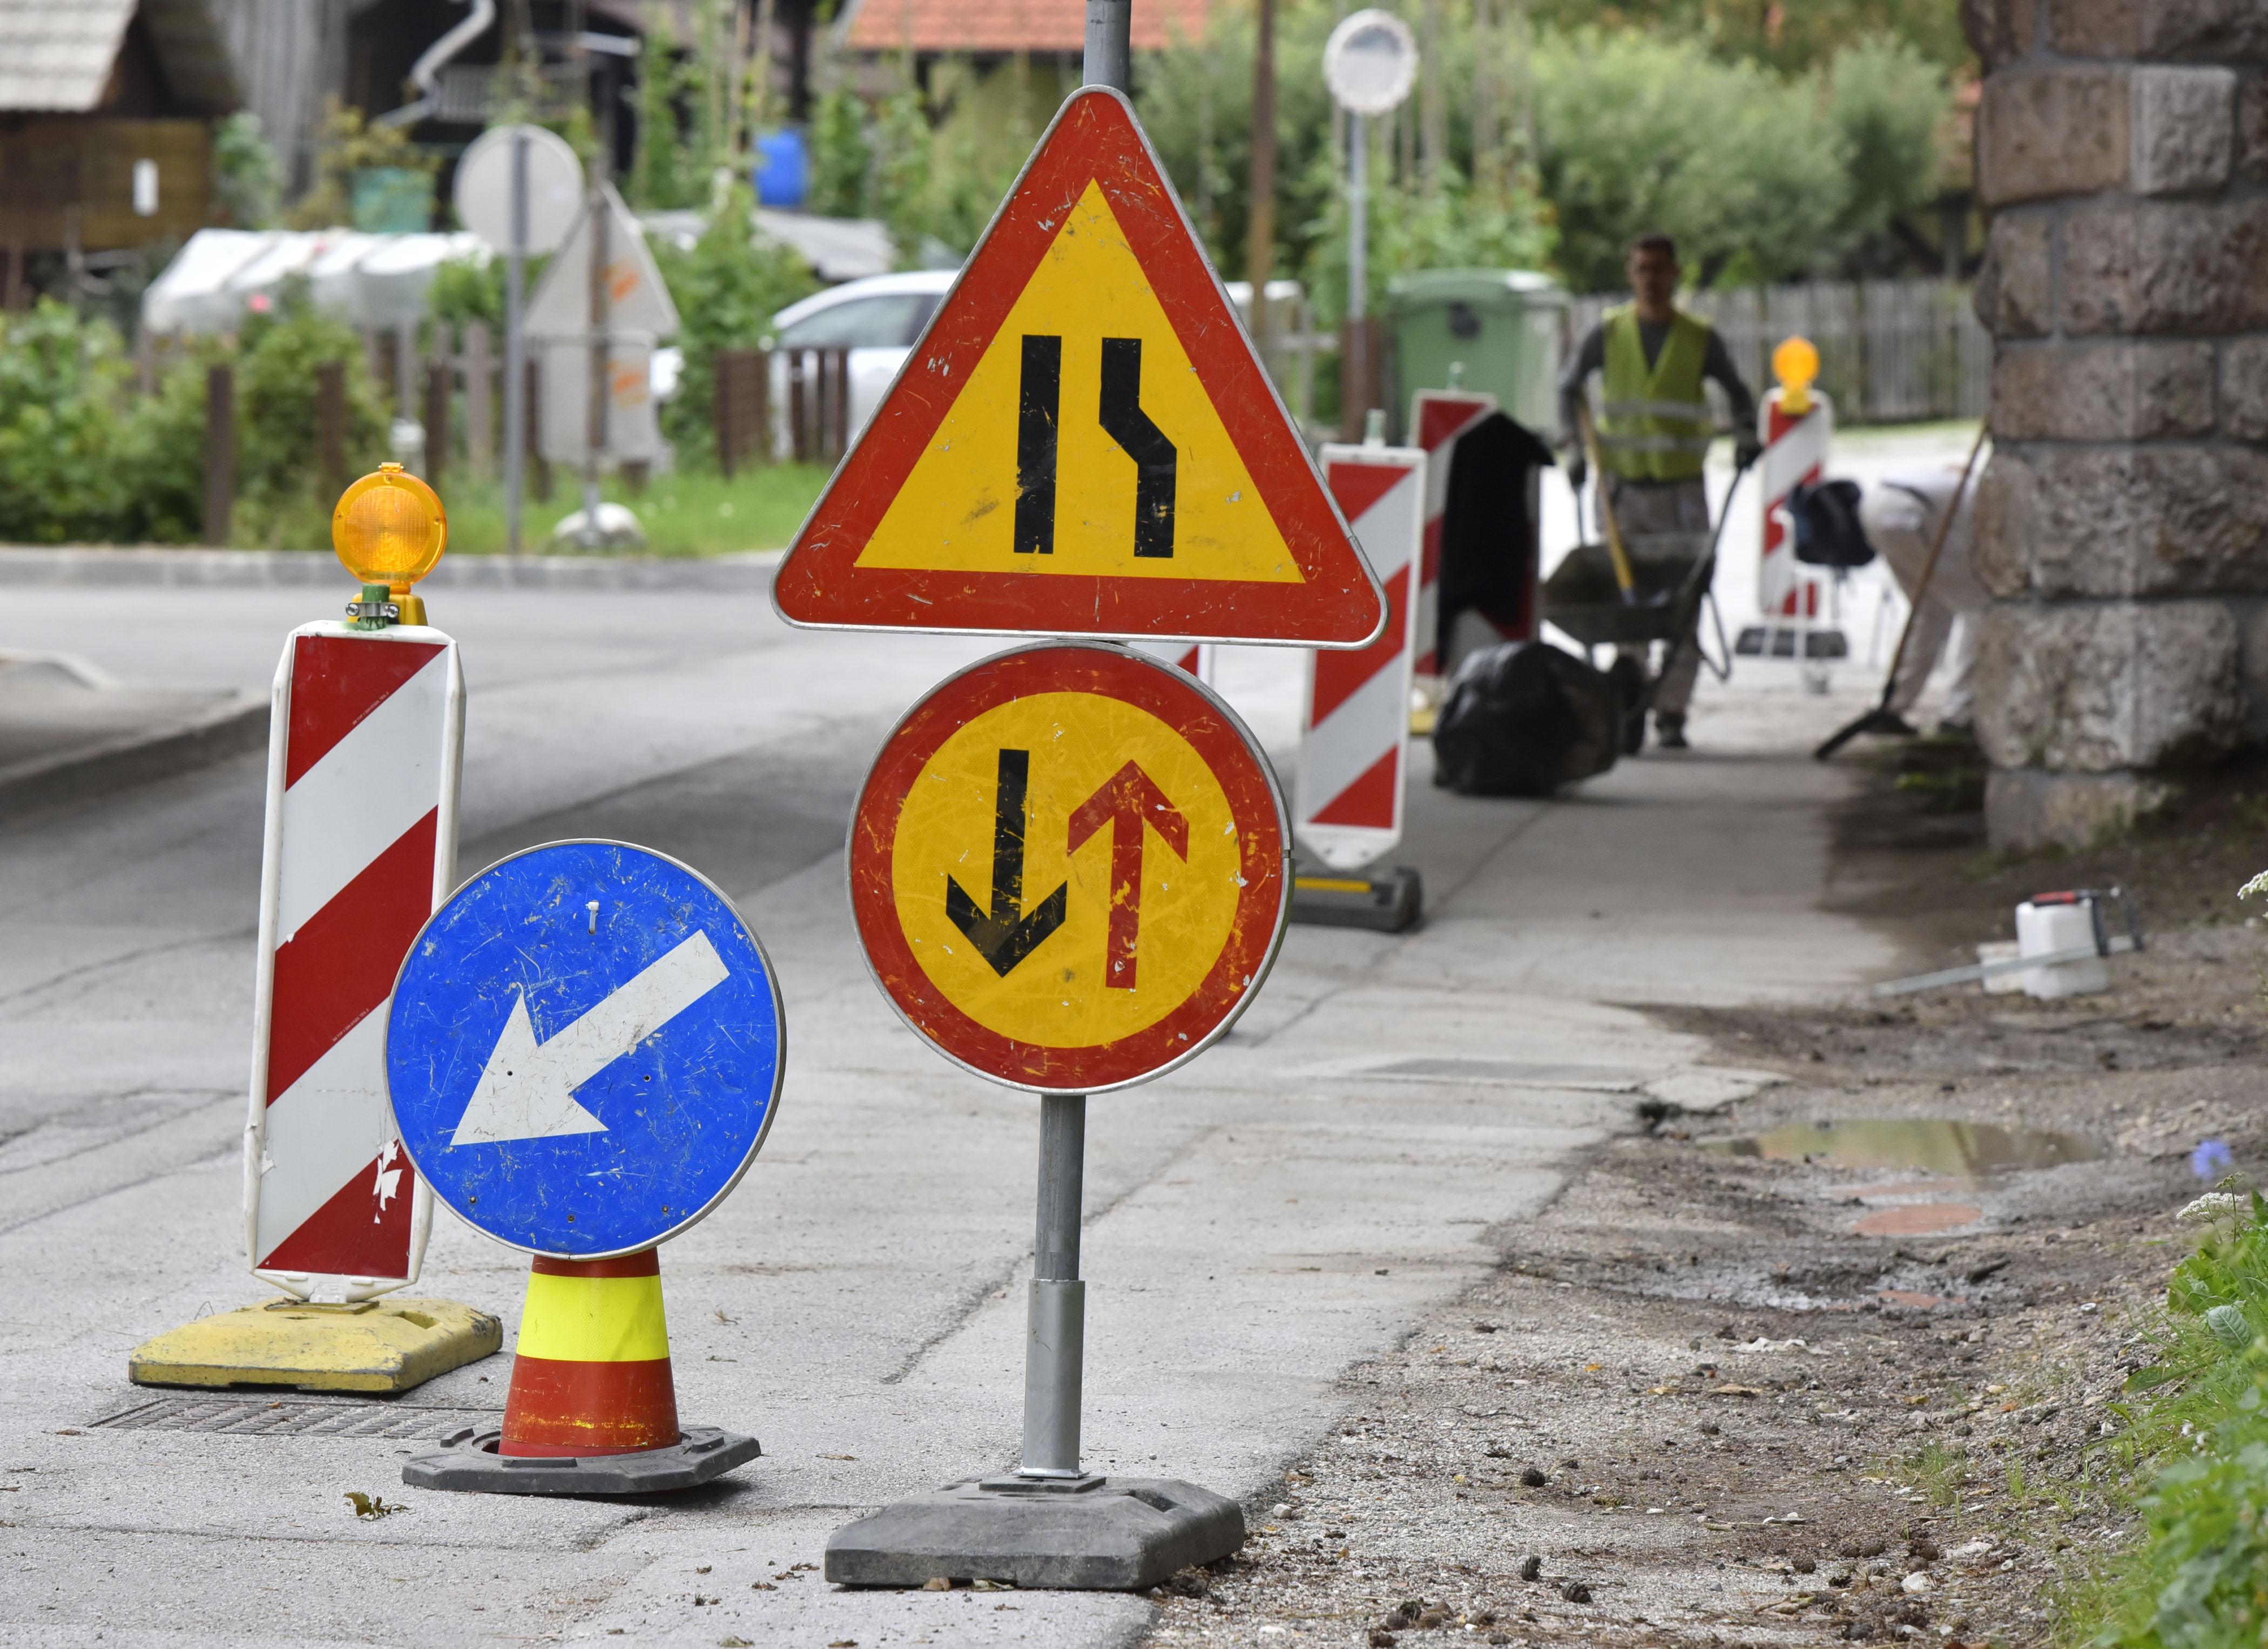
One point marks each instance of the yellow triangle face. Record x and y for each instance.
(1084, 443)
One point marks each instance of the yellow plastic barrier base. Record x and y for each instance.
(379, 1345)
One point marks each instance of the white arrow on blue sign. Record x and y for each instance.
(584, 1050)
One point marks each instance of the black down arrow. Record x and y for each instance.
(1007, 933)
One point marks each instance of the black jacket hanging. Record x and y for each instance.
(1488, 538)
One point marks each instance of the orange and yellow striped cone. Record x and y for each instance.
(593, 1373)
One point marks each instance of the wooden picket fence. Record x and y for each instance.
(815, 422)
(1889, 351)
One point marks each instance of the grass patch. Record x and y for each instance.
(2192, 1462)
(1937, 1471)
(691, 512)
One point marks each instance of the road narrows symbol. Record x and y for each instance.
(1155, 459)
(1128, 800)
(1038, 407)
(1005, 933)
(526, 1091)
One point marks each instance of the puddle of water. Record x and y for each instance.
(1968, 1149)
(1918, 1219)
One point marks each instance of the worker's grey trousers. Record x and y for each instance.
(1664, 506)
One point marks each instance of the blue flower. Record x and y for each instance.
(2211, 1159)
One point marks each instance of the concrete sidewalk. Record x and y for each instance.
(68, 729)
(1287, 1205)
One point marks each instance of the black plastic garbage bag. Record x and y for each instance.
(1827, 530)
(1524, 718)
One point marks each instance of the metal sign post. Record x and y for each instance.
(515, 349)
(1080, 813)
(595, 440)
(1370, 63)
(1068, 863)
(518, 188)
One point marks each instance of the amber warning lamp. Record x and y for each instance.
(389, 530)
(1796, 365)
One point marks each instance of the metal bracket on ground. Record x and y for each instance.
(379, 1345)
(1088, 1534)
(1394, 904)
(468, 1461)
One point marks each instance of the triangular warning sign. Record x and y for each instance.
(637, 297)
(1084, 442)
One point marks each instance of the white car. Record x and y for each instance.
(878, 319)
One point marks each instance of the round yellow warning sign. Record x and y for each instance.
(1067, 867)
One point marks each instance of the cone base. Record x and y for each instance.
(379, 1345)
(1091, 1535)
(468, 1461)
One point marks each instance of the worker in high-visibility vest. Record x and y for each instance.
(1654, 429)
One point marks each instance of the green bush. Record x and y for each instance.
(61, 379)
(278, 486)
(1639, 133)
(247, 183)
(726, 289)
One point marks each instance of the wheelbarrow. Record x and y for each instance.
(1630, 591)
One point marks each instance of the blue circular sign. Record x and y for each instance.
(584, 1049)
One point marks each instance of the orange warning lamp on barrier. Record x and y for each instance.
(390, 529)
(1796, 365)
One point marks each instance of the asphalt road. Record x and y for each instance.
(1284, 1206)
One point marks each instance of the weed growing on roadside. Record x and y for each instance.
(2193, 1458)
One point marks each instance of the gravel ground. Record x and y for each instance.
(1716, 1398)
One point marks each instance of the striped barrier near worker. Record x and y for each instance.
(593, 1374)
(1795, 452)
(1438, 418)
(1355, 732)
(364, 751)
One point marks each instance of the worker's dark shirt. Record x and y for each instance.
(1592, 358)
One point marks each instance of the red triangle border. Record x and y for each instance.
(1095, 138)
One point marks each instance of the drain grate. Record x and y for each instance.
(251, 1415)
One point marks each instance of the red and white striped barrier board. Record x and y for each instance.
(363, 754)
(1355, 733)
(1795, 452)
(1437, 418)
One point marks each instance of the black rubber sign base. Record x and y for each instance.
(1390, 904)
(1089, 1535)
(468, 1461)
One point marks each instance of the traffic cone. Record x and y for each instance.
(593, 1373)
(593, 1409)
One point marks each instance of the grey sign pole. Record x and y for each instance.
(595, 434)
(1049, 1524)
(1056, 1338)
(1357, 218)
(515, 349)
(1109, 44)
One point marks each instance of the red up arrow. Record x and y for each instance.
(1127, 801)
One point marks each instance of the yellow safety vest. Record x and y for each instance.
(1657, 422)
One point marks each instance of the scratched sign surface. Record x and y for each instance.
(1084, 442)
(585, 1049)
(1067, 867)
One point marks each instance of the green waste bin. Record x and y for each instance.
(1502, 327)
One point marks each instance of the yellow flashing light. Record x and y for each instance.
(1796, 365)
(389, 528)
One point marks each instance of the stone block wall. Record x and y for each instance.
(2122, 155)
